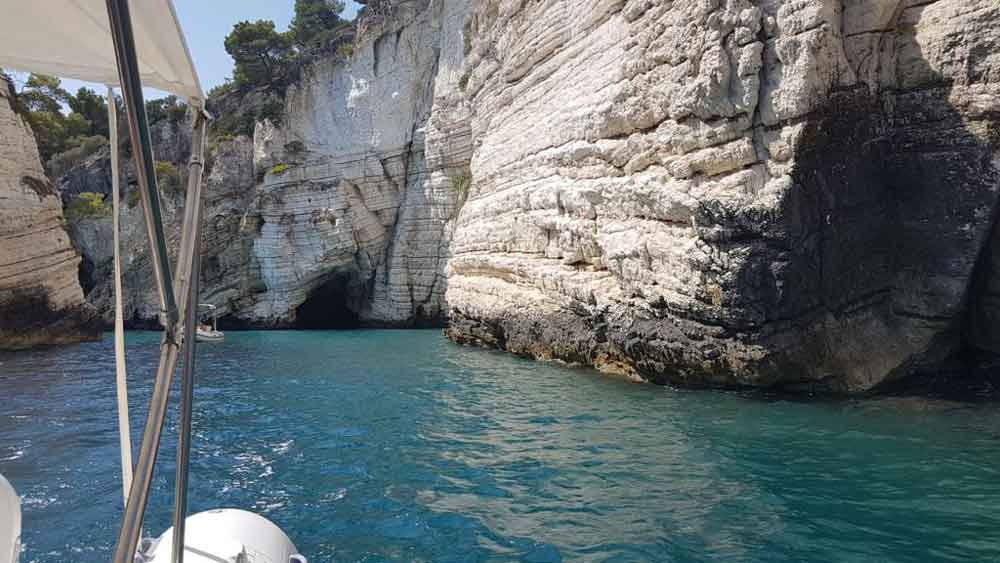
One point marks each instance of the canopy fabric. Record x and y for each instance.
(72, 39)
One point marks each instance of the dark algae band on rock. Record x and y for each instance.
(28, 320)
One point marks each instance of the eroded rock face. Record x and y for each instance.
(227, 235)
(356, 204)
(346, 208)
(715, 192)
(41, 302)
(732, 193)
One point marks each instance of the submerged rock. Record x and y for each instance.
(41, 302)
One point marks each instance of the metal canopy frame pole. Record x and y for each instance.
(121, 380)
(193, 273)
(138, 125)
(171, 315)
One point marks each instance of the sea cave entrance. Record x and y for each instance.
(326, 308)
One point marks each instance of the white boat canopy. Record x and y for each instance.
(72, 39)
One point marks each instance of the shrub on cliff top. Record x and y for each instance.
(171, 108)
(316, 23)
(41, 102)
(87, 205)
(259, 52)
(267, 61)
(221, 89)
(93, 107)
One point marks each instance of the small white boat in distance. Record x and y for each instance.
(208, 333)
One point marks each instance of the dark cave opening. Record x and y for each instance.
(85, 274)
(326, 308)
(234, 323)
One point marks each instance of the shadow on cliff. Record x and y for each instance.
(888, 242)
(29, 319)
(327, 308)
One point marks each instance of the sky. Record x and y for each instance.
(206, 24)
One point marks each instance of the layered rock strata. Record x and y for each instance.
(41, 302)
(340, 215)
(732, 193)
(795, 194)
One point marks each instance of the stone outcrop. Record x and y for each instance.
(732, 192)
(724, 192)
(340, 215)
(229, 190)
(349, 189)
(40, 297)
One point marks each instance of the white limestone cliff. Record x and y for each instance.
(721, 192)
(346, 207)
(729, 192)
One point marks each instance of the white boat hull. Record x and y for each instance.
(10, 523)
(210, 336)
(227, 535)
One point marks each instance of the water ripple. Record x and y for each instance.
(398, 446)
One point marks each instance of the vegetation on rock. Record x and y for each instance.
(71, 127)
(261, 54)
(258, 107)
(267, 61)
(280, 168)
(93, 107)
(41, 103)
(461, 181)
(168, 178)
(64, 161)
(87, 205)
(317, 24)
(171, 108)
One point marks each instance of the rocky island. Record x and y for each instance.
(730, 193)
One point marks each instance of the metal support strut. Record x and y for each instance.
(190, 331)
(172, 315)
(121, 379)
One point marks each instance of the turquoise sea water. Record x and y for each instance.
(399, 446)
